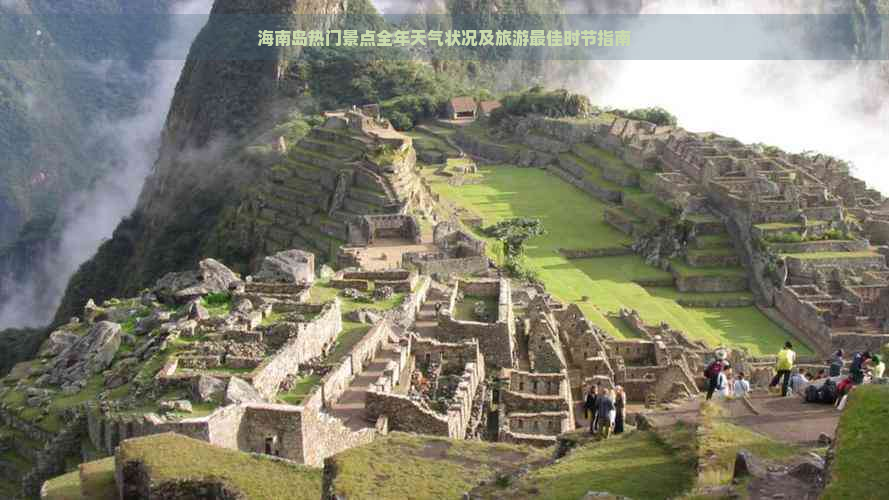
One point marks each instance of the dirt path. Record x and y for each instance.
(787, 419)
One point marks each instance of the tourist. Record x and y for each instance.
(836, 364)
(589, 406)
(723, 386)
(712, 372)
(798, 381)
(620, 407)
(859, 364)
(605, 412)
(878, 367)
(843, 389)
(742, 386)
(786, 358)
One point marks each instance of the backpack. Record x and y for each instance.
(812, 395)
(713, 369)
(828, 392)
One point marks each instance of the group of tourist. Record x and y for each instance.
(830, 386)
(722, 382)
(605, 409)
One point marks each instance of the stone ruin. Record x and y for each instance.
(443, 394)
(456, 253)
(788, 217)
(369, 229)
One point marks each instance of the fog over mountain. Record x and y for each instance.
(91, 216)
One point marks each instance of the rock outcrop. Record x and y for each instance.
(289, 266)
(211, 276)
(88, 356)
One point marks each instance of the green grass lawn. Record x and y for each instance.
(637, 465)
(404, 466)
(830, 255)
(862, 441)
(574, 220)
(720, 442)
(300, 390)
(171, 457)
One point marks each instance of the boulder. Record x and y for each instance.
(196, 311)
(326, 272)
(180, 405)
(240, 391)
(211, 276)
(57, 342)
(123, 371)
(88, 356)
(152, 321)
(92, 312)
(208, 389)
(289, 266)
(747, 465)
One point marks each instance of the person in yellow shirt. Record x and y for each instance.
(877, 366)
(786, 359)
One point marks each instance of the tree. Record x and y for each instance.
(515, 232)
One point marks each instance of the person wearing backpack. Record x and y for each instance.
(786, 358)
(712, 373)
(856, 369)
(836, 364)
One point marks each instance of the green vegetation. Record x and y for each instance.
(830, 255)
(656, 115)
(554, 103)
(402, 466)
(171, 457)
(217, 303)
(465, 310)
(719, 442)
(514, 232)
(574, 221)
(637, 465)
(300, 390)
(97, 479)
(861, 445)
(64, 487)
(352, 333)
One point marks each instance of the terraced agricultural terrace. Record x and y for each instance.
(441, 358)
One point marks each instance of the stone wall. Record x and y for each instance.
(807, 267)
(710, 284)
(545, 423)
(405, 414)
(484, 149)
(567, 171)
(806, 317)
(437, 264)
(309, 341)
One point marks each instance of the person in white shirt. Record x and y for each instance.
(742, 387)
(723, 387)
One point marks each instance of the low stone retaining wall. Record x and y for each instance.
(707, 284)
(587, 253)
(487, 150)
(820, 246)
(312, 340)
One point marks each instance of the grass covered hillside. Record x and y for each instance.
(574, 220)
(423, 467)
(859, 469)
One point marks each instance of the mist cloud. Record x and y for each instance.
(90, 217)
(833, 107)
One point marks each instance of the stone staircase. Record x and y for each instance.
(350, 407)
